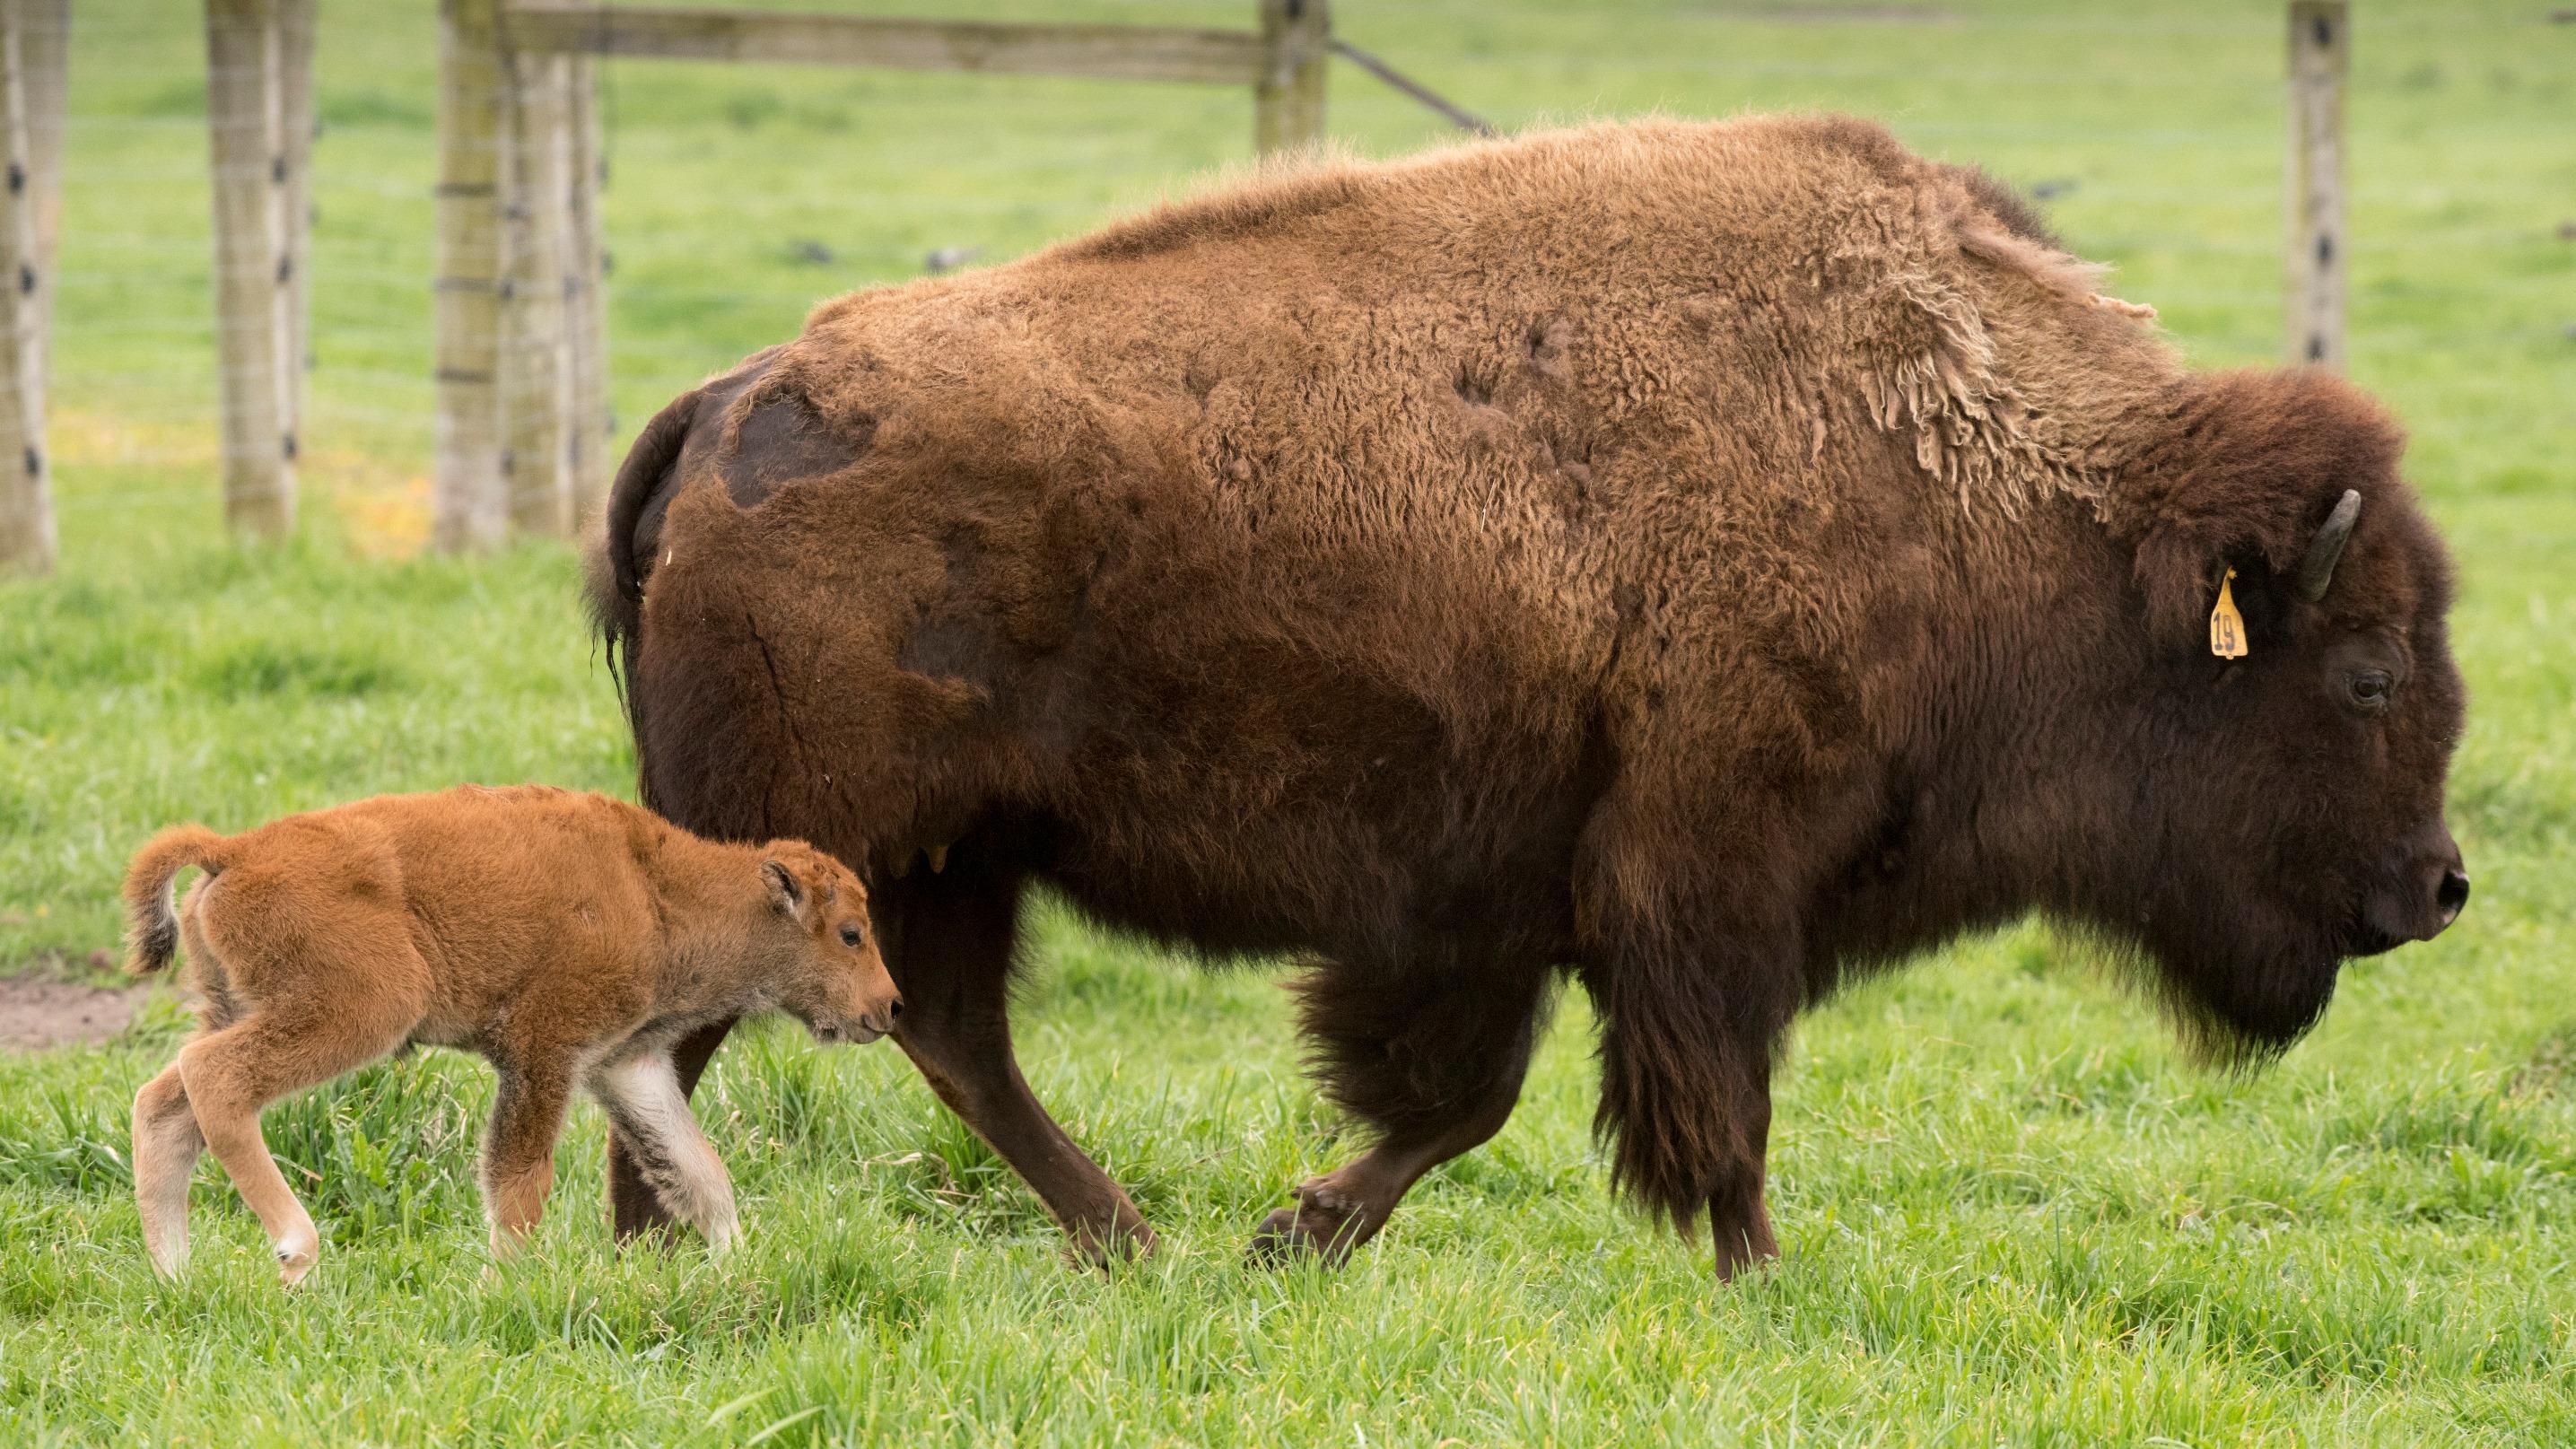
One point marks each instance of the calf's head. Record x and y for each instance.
(2283, 809)
(827, 971)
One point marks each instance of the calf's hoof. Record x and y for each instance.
(723, 1236)
(1324, 1226)
(168, 1261)
(294, 1260)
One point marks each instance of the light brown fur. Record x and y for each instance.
(567, 938)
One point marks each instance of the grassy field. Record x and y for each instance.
(2011, 1212)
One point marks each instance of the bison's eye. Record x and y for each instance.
(2368, 689)
(849, 935)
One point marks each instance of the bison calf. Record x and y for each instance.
(568, 938)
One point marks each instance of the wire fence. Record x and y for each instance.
(740, 196)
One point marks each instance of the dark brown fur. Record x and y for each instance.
(1706, 561)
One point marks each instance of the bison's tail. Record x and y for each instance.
(151, 921)
(616, 582)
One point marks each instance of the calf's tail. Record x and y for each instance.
(151, 919)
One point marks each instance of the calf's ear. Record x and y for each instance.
(786, 892)
(2247, 469)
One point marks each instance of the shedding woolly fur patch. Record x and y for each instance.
(1974, 425)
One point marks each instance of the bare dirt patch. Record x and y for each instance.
(36, 1014)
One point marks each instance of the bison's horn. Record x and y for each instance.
(2316, 572)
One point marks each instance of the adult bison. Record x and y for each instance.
(1705, 561)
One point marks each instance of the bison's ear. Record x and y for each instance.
(786, 892)
(2246, 470)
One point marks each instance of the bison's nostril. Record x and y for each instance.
(2451, 895)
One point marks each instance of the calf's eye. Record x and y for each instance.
(849, 935)
(2369, 689)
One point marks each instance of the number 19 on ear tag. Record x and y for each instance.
(2226, 626)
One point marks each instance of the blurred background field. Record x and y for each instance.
(2012, 1213)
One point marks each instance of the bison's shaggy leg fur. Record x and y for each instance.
(948, 939)
(634, 1208)
(1690, 1022)
(1433, 1063)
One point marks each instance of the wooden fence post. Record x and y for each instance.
(47, 59)
(536, 365)
(26, 501)
(2320, 43)
(586, 299)
(246, 122)
(1288, 100)
(295, 203)
(470, 510)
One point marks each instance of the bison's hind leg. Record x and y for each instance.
(949, 938)
(1432, 1061)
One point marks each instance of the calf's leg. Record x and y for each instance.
(166, 1147)
(634, 1207)
(664, 1148)
(1433, 1062)
(519, 1148)
(228, 1076)
(948, 938)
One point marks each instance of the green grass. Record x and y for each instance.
(2011, 1212)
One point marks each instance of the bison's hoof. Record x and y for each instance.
(1323, 1227)
(1104, 1248)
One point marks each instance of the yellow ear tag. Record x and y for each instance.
(2226, 626)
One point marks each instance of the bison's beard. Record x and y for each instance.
(2239, 989)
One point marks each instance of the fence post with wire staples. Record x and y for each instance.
(254, 272)
(536, 365)
(469, 507)
(2320, 44)
(46, 57)
(1288, 99)
(586, 295)
(26, 500)
(295, 145)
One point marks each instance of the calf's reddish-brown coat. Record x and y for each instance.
(568, 938)
(1705, 561)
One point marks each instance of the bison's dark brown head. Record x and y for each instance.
(2287, 804)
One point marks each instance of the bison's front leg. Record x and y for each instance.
(1739, 1223)
(1695, 982)
(947, 938)
(1434, 1063)
(1686, 1043)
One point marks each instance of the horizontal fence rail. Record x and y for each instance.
(1105, 52)
(523, 417)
